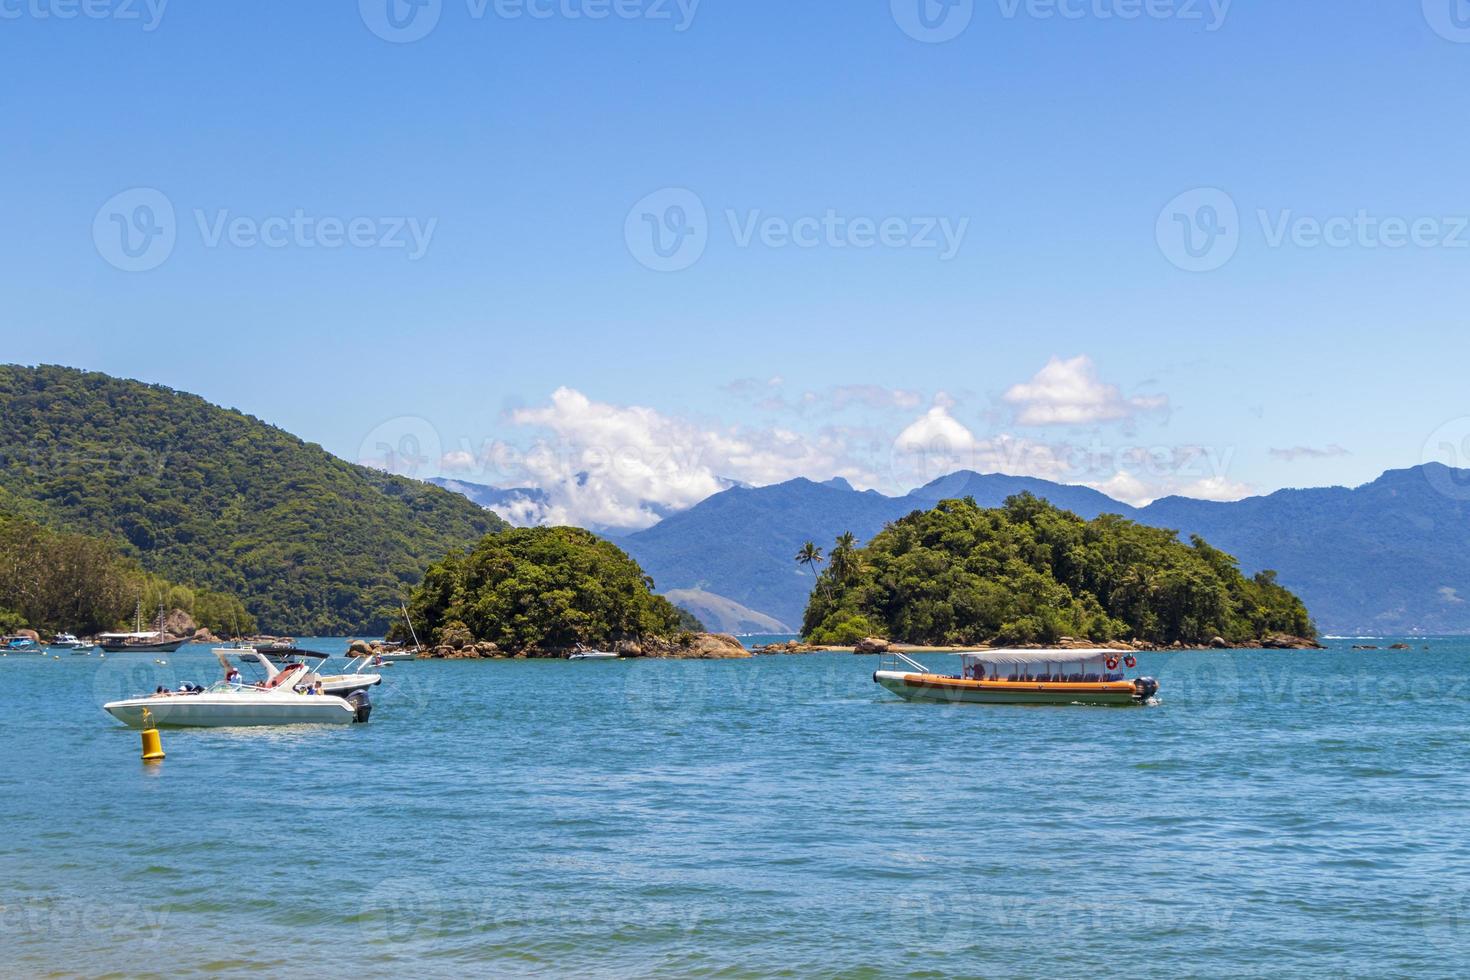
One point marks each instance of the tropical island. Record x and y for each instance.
(544, 592)
(1029, 573)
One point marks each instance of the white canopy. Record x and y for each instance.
(1022, 658)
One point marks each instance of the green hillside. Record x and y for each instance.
(56, 581)
(311, 544)
(1030, 572)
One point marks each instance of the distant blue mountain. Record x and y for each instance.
(1392, 556)
(491, 498)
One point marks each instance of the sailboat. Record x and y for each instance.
(386, 657)
(140, 642)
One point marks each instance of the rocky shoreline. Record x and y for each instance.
(873, 644)
(688, 646)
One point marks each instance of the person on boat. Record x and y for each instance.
(234, 679)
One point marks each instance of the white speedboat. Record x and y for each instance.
(234, 702)
(65, 641)
(343, 684)
(584, 653)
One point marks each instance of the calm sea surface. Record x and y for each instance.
(1276, 813)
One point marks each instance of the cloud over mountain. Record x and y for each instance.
(1069, 392)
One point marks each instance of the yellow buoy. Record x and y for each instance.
(152, 742)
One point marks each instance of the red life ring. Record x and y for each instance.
(1130, 661)
(1112, 663)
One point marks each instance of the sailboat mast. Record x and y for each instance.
(407, 619)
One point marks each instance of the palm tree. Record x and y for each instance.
(844, 564)
(810, 556)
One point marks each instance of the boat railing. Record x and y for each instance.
(893, 660)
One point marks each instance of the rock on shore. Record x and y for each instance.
(697, 646)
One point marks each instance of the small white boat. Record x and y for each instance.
(233, 702)
(65, 641)
(584, 653)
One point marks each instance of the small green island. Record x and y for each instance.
(1029, 573)
(543, 592)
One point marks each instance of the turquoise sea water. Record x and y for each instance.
(1275, 813)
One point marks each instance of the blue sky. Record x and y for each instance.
(1066, 147)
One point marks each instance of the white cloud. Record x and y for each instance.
(608, 466)
(936, 431)
(1139, 492)
(1069, 392)
(625, 466)
(1215, 488)
(936, 444)
(457, 462)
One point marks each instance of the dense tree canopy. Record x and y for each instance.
(1029, 572)
(542, 588)
(57, 582)
(312, 544)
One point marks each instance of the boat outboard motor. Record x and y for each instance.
(1145, 688)
(362, 707)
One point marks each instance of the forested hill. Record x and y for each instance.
(210, 496)
(1029, 572)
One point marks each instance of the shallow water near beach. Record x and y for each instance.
(1274, 813)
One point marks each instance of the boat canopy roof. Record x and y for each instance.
(293, 653)
(1020, 658)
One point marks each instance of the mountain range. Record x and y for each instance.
(1391, 556)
